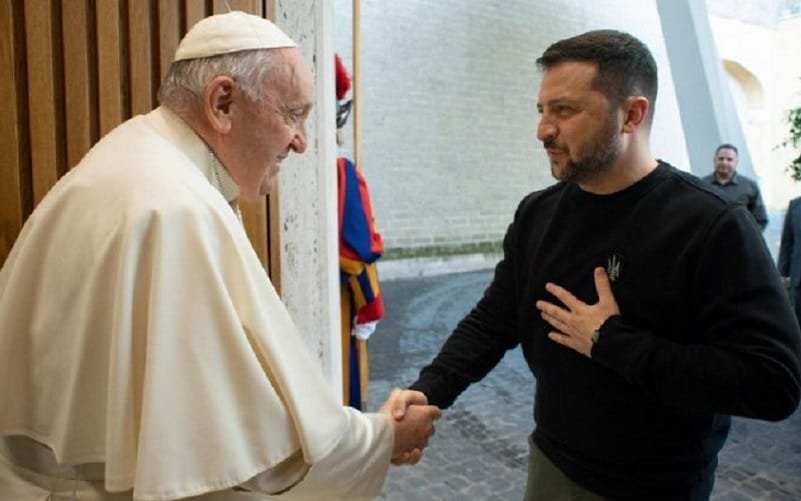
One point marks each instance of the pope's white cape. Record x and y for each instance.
(138, 329)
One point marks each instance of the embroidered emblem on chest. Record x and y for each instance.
(614, 267)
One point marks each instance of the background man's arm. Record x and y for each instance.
(758, 209)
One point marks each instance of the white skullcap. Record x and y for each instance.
(230, 32)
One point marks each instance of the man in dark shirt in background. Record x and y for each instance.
(789, 262)
(646, 303)
(736, 186)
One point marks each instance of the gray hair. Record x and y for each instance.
(183, 86)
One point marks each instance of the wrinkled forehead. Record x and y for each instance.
(292, 79)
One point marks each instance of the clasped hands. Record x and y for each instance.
(576, 321)
(413, 422)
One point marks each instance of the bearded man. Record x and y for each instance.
(646, 304)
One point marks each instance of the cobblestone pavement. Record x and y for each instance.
(480, 449)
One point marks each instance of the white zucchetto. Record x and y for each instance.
(231, 32)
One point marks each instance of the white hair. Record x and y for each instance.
(183, 86)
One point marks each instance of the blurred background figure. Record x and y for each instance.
(736, 186)
(360, 246)
(790, 254)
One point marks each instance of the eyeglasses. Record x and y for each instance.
(343, 112)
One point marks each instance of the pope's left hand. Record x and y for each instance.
(577, 321)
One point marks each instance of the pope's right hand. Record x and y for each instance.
(413, 421)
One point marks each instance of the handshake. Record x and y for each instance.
(413, 421)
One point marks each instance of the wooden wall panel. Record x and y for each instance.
(44, 99)
(80, 82)
(194, 11)
(273, 240)
(140, 32)
(75, 70)
(169, 34)
(252, 6)
(112, 95)
(254, 216)
(15, 196)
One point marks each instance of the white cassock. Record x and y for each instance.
(143, 350)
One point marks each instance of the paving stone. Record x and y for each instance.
(480, 450)
(733, 496)
(765, 484)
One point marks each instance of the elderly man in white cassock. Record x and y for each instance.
(143, 352)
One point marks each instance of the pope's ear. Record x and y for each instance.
(217, 103)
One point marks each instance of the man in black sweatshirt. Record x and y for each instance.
(646, 304)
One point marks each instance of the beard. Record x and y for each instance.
(594, 157)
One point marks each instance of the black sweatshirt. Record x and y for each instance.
(705, 331)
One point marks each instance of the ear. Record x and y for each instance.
(635, 109)
(217, 103)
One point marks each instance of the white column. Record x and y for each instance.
(706, 106)
(307, 196)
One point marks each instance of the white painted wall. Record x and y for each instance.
(786, 94)
(449, 111)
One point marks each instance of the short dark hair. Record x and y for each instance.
(625, 65)
(727, 146)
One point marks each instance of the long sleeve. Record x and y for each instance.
(787, 242)
(479, 341)
(354, 469)
(744, 359)
(758, 209)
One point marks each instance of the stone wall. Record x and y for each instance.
(449, 109)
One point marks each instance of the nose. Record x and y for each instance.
(545, 130)
(299, 142)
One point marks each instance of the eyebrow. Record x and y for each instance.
(557, 101)
(561, 99)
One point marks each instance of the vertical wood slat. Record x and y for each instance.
(251, 6)
(194, 11)
(270, 9)
(42, 97)
(169, 20)
(111, 97)
(79, 83)
(254, 215)
(273, 240)
(13, 142)
(140, 29)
